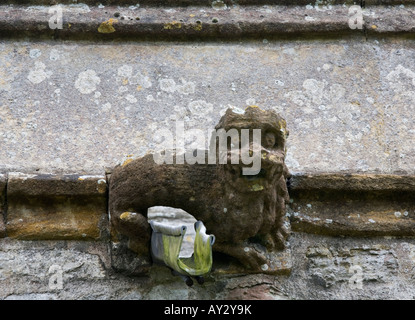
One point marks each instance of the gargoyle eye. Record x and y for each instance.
(270, 140)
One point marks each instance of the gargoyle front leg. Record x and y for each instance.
(247, 255)
(275, 201)
(136, 227)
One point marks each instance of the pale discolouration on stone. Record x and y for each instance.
(87, 81)
(169, 85)
(38, 73)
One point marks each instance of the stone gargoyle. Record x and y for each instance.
(246, 213)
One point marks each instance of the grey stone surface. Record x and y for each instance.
(83, 107)
(323, 268)
(354, 269)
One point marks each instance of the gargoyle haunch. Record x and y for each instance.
(246, 213)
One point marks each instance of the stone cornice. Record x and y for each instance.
(46, 207)
(111, 22)
(353, 204)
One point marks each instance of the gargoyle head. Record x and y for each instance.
(258, 161)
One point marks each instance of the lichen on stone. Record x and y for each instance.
(107, 26)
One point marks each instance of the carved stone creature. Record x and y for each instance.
(245, 213)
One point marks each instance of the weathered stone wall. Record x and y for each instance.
(323, 268)
(76, 101)
(81, 107)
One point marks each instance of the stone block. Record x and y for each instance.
(56, 206)
(32, 270)
(279, 263)
(351, 264)
(252, 287)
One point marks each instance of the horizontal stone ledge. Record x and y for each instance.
(353, 204)
(115, 22)
(383, 224)
(218, 4)
(111, 22)
(74, 207)
(352, 182)
(47, 185)
(56, 207)
(3, 183)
